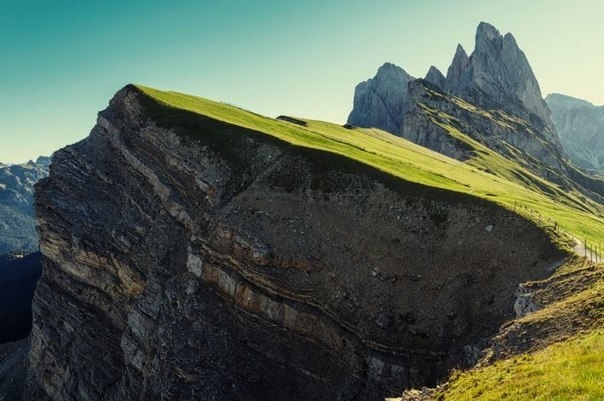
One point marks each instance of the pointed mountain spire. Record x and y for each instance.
(459, 64)
(435, 77)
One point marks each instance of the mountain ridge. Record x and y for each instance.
(202, 237)
(194, 249)
(495, 80)
(496, 74)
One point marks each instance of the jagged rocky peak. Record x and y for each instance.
(458, 65)
(488, 39)
(434, 76)
(380, 101)
(240, 267)
(498, 75)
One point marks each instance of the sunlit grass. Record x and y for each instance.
(511, 186)
(568, 371)
(571, 370)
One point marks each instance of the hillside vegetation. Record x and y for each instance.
(565, 371)
(553, 354)
(488, 175)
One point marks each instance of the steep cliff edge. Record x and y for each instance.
(189, 258)
(381, 101)
(497, 75)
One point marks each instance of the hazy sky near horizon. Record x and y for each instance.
(62, 60)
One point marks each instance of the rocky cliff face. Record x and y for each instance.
(497, 75)
(580, 126)
(495, 80)
(380, 101)
(186, 258)
(435, 77)
(430, 110)
(17, 222)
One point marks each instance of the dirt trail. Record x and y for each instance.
(588, 253)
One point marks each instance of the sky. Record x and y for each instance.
(61, 61)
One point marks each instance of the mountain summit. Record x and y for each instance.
(498, 75)
(380, 101)
(490, 97)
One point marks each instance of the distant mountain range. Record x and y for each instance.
(17, 222)
(580, 126)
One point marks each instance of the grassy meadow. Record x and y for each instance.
(487, 175)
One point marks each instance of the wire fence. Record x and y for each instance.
(588, 250)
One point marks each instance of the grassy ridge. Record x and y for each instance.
(572, 370)
(511, 186)
(569, 370)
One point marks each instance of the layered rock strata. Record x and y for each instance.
(185, 258)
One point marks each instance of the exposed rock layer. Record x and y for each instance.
(189, 259)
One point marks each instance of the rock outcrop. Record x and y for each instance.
(495, 80)
(17, 222)
(497, 75)
(430, 111)
(435, 77)
(580, 126)
(186, 258)
(380, 101)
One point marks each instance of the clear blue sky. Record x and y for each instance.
(62, 60)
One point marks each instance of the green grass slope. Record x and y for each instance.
(488, 175)
(558, 351)
(566, 371)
